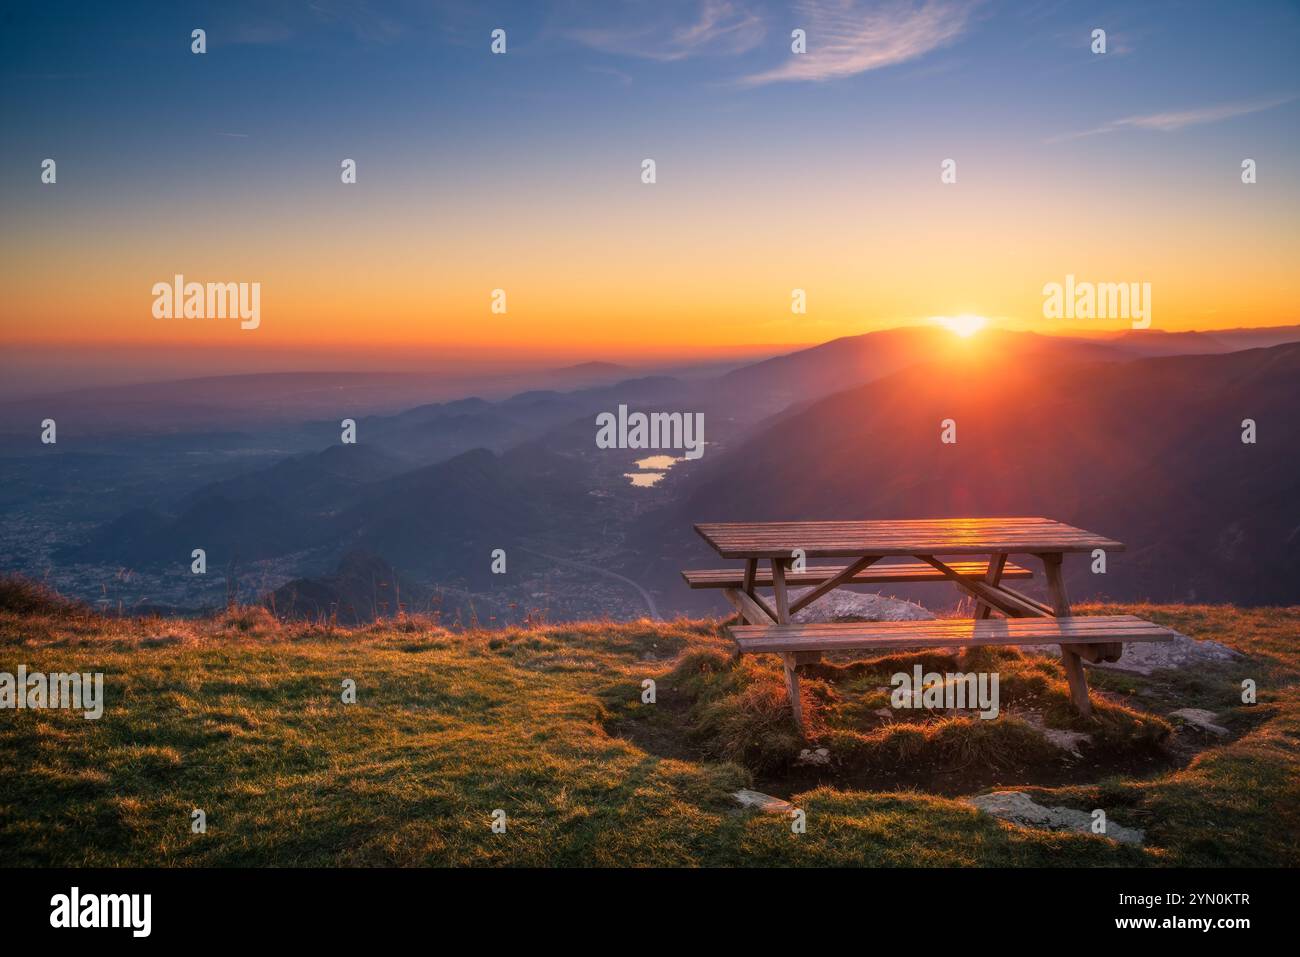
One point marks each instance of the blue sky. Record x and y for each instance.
(775, 170)
(415, 71)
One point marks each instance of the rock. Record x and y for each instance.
(1019, 808)
(1065, 740)
(843, 605)
(763, 802)
(883, 712)
(1201, 719)
(819, 757)
(1144, 657)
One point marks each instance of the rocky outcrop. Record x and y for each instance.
(1019, 808)
(844, 605)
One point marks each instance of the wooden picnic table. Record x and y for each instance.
(943, 536)
(866, 543)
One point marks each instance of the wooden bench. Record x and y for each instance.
(870, 544)
(871, 575)
(800, 644)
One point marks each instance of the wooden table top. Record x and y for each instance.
(931, 536)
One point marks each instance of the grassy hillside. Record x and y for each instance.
(241, 716)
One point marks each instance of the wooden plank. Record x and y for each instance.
(897, 573)
(944, 633)
(997, 563)
(995, 626)
(749, 608)
(900, 537)
(957, 628)
(832, 583)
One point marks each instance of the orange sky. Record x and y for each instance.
(700, 267)
(523, 174)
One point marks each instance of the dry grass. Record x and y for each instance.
(240, 715)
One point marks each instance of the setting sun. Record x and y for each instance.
(965, 325)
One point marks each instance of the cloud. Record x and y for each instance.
(719, 26)
(619, 75)
(1171, 122)
(846, 38)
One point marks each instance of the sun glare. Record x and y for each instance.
(965, 325)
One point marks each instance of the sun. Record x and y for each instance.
(965, 325)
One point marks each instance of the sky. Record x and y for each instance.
(522, 171)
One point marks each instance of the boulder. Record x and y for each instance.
(844, 605)
(763, 802)
(1202, 720)
(1144, 657)
(1019, 808)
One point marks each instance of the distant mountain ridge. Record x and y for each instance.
(1148, 451)
(847, 429)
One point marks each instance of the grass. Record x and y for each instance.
(241, 716)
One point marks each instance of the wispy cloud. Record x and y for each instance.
(717, 26)
(1172, 121)
(846, 37)
(623, 78)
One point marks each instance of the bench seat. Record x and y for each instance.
(872, 575)
(944, 633)
(803, 644)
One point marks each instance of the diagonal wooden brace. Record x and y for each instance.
(992, 595)
(997, 563)
(832, 583)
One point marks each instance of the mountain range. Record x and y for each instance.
(1148, 451)
(1109, 433)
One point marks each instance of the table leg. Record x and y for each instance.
(778, 589)
(790, 661)
(1070, 660)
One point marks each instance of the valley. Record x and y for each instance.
(289, 515)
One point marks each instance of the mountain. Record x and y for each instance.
(849, 428)
(363, 587)
(438, 521)
(1147, 451)
(1157, 342)
(311, 481)
(443, 521)
(854, 360)
(228, 530)
(594, 370)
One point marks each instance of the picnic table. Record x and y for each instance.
(869, 553)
